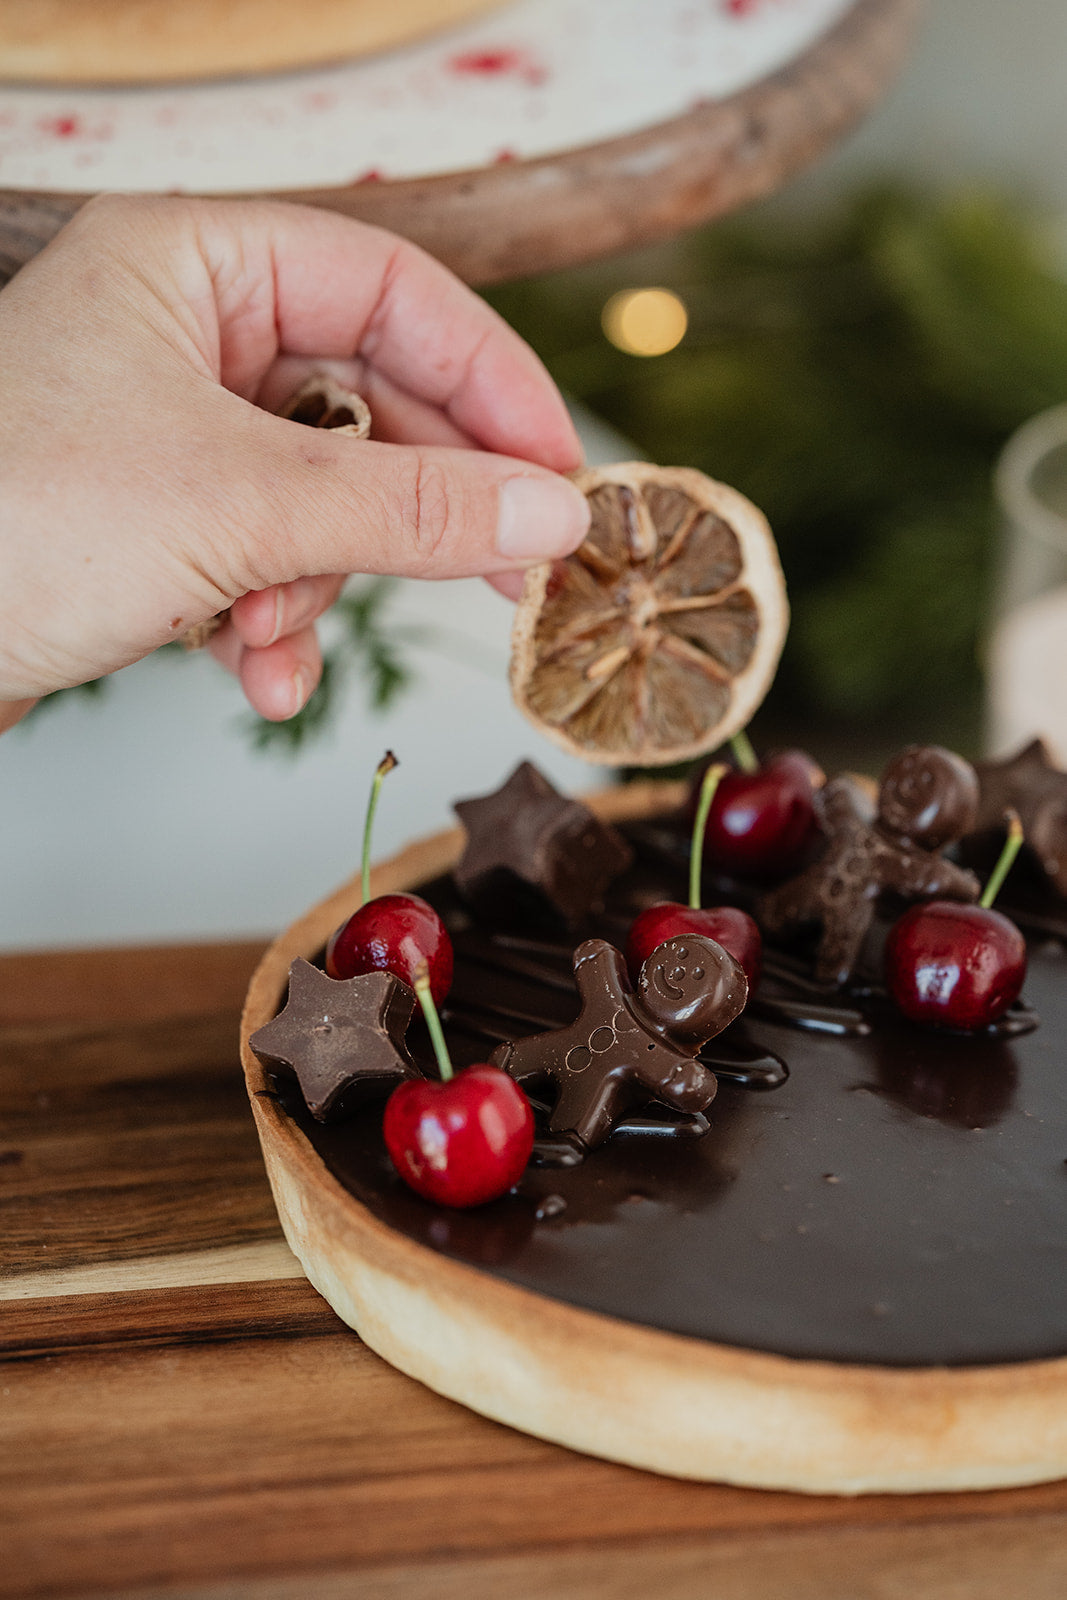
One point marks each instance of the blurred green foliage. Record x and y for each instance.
(856, 378)
(364, 645)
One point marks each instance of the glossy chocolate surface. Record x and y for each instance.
(899, 1198)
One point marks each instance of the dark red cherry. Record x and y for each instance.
(462, 1142)
(727, 925)
(957, 966)
(761, 822)
(394, 933)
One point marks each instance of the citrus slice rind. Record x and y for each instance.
(658, 638)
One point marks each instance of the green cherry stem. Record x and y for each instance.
(712, 779)
(433, 1021)
(386, 764)
(1004, 862)
(743, 753)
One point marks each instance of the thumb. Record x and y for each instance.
(349, 505)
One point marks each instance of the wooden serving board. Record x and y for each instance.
(181, 1414)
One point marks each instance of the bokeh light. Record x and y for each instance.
(644, 322)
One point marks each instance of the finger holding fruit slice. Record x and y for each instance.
(657, 639)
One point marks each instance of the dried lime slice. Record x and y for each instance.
(660, 636)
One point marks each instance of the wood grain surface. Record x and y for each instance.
(177, 1427)
(516, 218)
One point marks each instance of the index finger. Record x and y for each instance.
(296, 281)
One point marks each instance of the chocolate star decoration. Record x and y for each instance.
(1032, 786)
(528, 831)
(630, 1047)
(344, 1038)
(927, 798)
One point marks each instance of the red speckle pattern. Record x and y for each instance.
(498, 64)
(318, 100)
(552, 75)
(70, 127)
(61, 127)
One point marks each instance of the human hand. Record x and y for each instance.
(143, 487)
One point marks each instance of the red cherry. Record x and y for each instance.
(761, 822)
(957, 966)
(394, 933)
(462, 1142)
(727, 925)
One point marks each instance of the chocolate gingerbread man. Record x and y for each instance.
(632, 1046)
(927, 798)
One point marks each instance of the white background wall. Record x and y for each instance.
(984, 97)
(148, 818)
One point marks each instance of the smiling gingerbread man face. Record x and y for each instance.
(690, 989)
(928, 795)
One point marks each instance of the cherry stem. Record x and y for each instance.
(386, 764)
(712, 778)
(743, 753)
(1005, 860)
(433, 1021)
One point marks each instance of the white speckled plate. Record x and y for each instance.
(531, 79)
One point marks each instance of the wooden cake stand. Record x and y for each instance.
(559, 133)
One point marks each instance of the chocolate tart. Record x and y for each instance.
(853, 1283)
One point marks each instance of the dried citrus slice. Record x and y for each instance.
(659, 637)
(322, 402)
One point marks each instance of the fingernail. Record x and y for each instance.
(279, 615)
(540, 518)
(300, 690)
(294, 605)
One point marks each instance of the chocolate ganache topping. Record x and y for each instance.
(899, 1197)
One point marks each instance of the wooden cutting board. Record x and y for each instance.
(181, 1414)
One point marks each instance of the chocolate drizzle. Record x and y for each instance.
(813, 1018)
(899, 1198)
